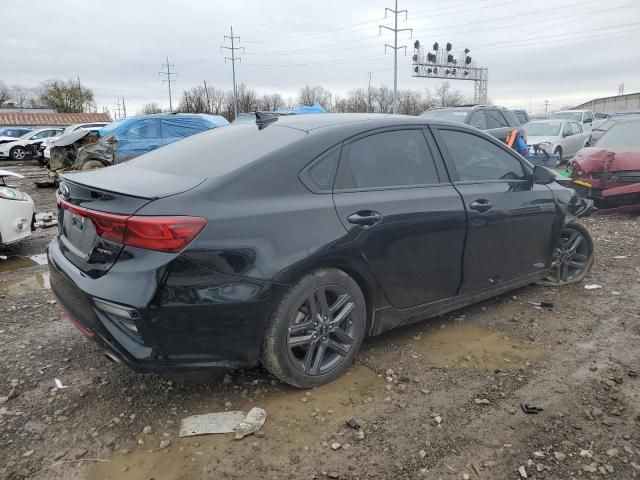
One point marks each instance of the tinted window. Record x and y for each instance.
(45, 134)
(576, 128)
(218, 151)
(476, 158)
(323, 171)
(479, 120)
(588, 116)
(511, 118)
(388, 159)
(495, 120)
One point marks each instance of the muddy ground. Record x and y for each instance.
(439, 399)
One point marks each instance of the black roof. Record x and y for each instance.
(311, 122)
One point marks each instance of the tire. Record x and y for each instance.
(558, 151)
(573, 256)
(18, 153)
(92, 165)
(307, 353)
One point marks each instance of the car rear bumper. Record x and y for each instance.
(16, 220)
(182, 325)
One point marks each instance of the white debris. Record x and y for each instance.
(522, 471)
(218, 422)
(592, 286)
(59, 384)
(252, 423)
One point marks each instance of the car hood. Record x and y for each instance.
(70, 138)
(593, 159)
(7, 173)
(534, 140)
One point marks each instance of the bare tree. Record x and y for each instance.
(5, 94)
(383, 99)
(310, 94)
(66, 97)
(247, 99)
(271, 102)
(448, 97)
(150, 108)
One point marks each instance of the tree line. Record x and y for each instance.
(375, 100)
(64, 96)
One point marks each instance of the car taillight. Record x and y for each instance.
(162, 233)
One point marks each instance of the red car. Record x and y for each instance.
(609, 171)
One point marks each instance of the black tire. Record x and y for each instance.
(92, 165)
(304, 351)
(18, 153)
(558, 151)
(573, 256)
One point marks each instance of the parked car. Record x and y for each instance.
(609, 172)
(612, 119)
(93, 127)
(583, 117)
(289, 244)
(17, 211)
(522, 115)
(128, 138)
(558, 137)
(496, 121)
(10, 134)
(17, 149)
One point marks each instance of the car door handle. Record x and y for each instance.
(365, 218)
(481, 205)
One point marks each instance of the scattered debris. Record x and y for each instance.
(543, 304)
(336, 446)
(252, 423)
(219, 422)
(620, 256)
(592, 286)
(530, 409)
(522, 471)
(164, 444)
(59, 384)
(481, 401)
(354, 423)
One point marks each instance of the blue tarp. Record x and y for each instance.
(303, 109)
(138, 135)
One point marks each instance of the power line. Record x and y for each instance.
(118, 109)
(233, 60)
(169, 80)
(395, 48)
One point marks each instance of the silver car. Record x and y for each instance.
(561, 137)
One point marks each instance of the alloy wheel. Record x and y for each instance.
(18, 153)
(321, 331)
(571, 256)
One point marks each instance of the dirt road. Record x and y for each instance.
(439, 399)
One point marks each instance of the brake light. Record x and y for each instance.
(162, 233)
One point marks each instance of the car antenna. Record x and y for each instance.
(264, 119)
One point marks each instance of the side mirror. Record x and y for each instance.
(542, 176)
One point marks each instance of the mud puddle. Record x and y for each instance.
(12, 263)
(467, 347)
(296, 421)
(38, 281)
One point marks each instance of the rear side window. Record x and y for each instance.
(495, 120)
(511, 118)
(323, 171)
(389, 159)
(576, 127)
(477, 159)
(479, 120)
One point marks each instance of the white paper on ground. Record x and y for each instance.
(218, 422)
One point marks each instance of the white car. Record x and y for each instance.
(560, 137)
(93, 127)
(584, 117)
(17, 211)
(16, 150)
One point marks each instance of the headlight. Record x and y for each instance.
(13, 194)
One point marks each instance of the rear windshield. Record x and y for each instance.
(522, 117)
(449, 115)
(575, 116)
(551, 129)
(219, 151)
(621, 135)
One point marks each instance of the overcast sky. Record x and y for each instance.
(564, 51)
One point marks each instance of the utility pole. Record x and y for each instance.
(369, 94)
(233, 60)
(395, 48)
(186, 102)
(206, 92)
(124, 108)
(117, 109)
(169, 79)
(80, 94)
(546, 107)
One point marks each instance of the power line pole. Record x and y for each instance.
(124, 108)
(116, 108)
(395, 48)
(206, 92)
(546, 107)
(80, 94)
(168, 73)
(233, 60)
(369, 94)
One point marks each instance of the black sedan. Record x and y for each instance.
(287, 243)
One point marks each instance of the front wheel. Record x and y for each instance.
(315, 332)
(573, 256)
(18, 153)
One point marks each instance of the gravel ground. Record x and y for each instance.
(439, 399)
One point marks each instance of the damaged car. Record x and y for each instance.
(126, 139)
(288, 243)
(17, 211)
(609, 172)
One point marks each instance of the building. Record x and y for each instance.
(615, 104)
(39, 119)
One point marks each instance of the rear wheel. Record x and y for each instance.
(558, 151)
(316, 330)
(573, 256)
(18, 153)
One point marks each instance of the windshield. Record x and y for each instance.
(450, 115)
(542, 129)
(575, 116)
(245, 118)
(621, 135)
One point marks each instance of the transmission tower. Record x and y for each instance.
(395, 47)
(233, 60)
(169, 79)
(117, 109)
